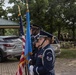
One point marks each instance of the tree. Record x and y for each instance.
(70, 15)
(52, 15)
(2, 12)
(37, 11)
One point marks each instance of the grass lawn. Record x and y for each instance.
(67, 53)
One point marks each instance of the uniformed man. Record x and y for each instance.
(35, 30)
(45, 57)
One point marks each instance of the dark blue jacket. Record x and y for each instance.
(44, 61)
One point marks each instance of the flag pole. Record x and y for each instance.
(20, 18)
(27, 10)
(27, 23)
(23, 38)
(19, 11)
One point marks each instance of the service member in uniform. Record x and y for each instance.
(45, 57)
(35, 30)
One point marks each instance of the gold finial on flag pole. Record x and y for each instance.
(27, 6)
(19, 10)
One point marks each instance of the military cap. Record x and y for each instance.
(34, 26)
(45, 34)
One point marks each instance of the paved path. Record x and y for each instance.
(65, 66)
(62, 67)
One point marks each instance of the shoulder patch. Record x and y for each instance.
(48, 53)
(49, 58)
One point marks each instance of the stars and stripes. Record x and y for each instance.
(21, 64)
(27, 48)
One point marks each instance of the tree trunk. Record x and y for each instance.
(51, 29)
(2, 31)
(73, 30)
(59, 31)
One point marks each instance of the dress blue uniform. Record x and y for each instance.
(44, 61)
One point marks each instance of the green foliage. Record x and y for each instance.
(37, 11)
(12, 32)
(2, 12)
(55, 16)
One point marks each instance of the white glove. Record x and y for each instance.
(31, 70)
(30, 60)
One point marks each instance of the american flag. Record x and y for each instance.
(21, 64)
(27, 48)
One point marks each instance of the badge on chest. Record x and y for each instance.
(40, 56)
